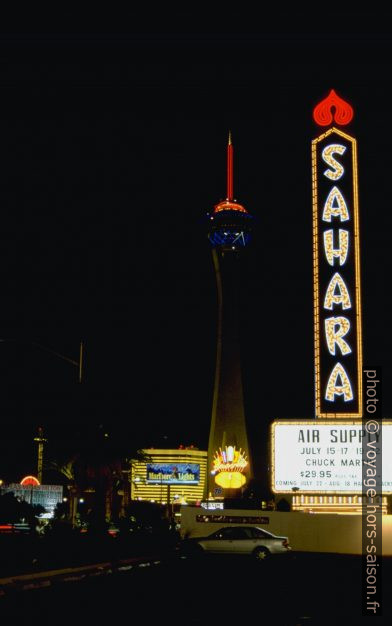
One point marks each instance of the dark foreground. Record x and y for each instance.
(308, 589)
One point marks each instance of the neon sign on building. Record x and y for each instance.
(337, 293)
(30, 481)
(228, 467)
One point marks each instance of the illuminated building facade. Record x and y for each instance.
(30, 490)
(170, 476)
(229, 231)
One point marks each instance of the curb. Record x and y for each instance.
(25, 582)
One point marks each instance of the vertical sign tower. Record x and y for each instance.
(229, 231)
(319, 461)
(337, 288)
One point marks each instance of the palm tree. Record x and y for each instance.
(96, 462)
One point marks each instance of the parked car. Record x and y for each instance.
(251, 540)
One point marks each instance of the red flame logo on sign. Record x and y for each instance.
(333, 108)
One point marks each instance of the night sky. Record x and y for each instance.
(113, 148)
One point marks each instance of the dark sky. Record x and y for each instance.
(112, 150)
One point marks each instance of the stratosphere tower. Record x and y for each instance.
(229, 231)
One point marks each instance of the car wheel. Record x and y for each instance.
(194, 550)
(261, 554)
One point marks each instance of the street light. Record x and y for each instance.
(78, 364)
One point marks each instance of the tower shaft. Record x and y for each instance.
(40, 461)
(40, 439)
(228, 426)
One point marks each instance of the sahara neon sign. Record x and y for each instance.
(337, 297)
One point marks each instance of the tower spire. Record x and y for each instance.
(229, 169)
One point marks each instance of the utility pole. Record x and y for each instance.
(40, 440)
(168, 510)
(81, 361)
(78, 364)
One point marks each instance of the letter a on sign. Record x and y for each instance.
(343, 389)
(335, 206)
(337, 293)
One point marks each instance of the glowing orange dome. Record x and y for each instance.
(229, 205)
(30, 481)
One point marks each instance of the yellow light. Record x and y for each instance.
(336, 336)
(327, 155)
(230, 480)
(341, 251)
(335, 206)
(229, 460)
(333, 388)
(341, 297)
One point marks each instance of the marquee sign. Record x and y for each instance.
(337, 294)
(324, 457)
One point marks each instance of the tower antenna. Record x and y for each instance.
(229, 169)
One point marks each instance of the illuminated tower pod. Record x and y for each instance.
(229, 231)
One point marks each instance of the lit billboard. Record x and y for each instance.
(320, 456)
(173, 473)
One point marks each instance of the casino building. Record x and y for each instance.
(30, 490)
(169, 476)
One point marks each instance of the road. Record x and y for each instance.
(308, 589)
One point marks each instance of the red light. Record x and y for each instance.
(229, 206)
(30, 481)
(9, 528)
(323, 114)
(230, 169)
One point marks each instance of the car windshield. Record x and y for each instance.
(259, 533)
(235, 532)
(232, 533)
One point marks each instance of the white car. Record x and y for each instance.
(251, 540)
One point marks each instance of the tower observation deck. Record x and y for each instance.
(229, 231)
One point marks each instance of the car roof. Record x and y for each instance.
(247, 527)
